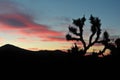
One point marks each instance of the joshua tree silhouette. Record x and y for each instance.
(77, 31)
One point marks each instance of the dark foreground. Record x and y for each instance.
(20, 61)
(14, 55)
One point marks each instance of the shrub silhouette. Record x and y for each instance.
(117, 42)
(74, 50)
(76, 33)
(117, 51)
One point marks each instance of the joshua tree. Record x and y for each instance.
(77, 31)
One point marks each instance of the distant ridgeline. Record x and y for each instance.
(11, 54)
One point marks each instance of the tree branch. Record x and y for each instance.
(81, 36)
(101, 52)
(77, 39)
(90, 39)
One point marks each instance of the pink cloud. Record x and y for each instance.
(24, 24)
(33, 49)
(22, 39)
(58, 39)
(15, 20)
(98, 44)
(8, 6)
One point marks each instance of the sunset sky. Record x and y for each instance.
(43, 24)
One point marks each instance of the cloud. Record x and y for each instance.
(34, 49)
(55, 38)
(14, 20)
(98, 44)
(22, 24)
(25, 39)
(8, 6)
(22, 39)
(63, 19)
(25, 25)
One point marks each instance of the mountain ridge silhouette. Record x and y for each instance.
(13, 54)
(9, 46)
(9, 52)
(12, 50)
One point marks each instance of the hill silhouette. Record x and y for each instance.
(12, 54)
